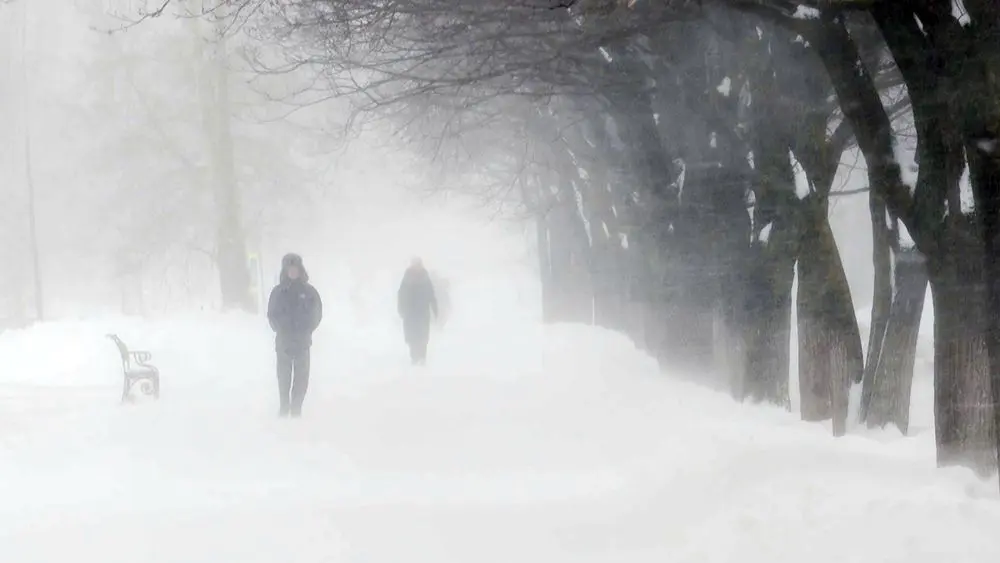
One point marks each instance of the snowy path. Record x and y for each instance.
(563, 446)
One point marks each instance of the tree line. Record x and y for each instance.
(679, 158)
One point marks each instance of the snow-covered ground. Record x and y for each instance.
(517, 444)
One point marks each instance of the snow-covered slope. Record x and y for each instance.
(518, 443)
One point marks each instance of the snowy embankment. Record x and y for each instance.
(518, 443)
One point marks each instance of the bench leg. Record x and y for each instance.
(125, 390)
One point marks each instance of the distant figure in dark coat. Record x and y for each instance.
(294, 311)
(416, 304)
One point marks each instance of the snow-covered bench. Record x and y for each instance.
(137, 369)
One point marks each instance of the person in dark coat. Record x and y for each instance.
(416, 303)
(294, 310)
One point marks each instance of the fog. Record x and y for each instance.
(103, 117)
(117, 158)
(534, 280)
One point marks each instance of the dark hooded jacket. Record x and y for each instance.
(294, 308)
(416, 299)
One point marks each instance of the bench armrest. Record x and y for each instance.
(140, 357)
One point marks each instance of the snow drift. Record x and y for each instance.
(518, 442)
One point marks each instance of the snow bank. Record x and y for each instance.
(79, 354)
(518, 442)
(58, 354)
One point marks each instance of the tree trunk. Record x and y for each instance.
(965, 67)
(232, 253)
(655, 213)
(213, 89)
(945, 80)
(963, 409)
(545, 267)
(829, 340)
(872, 128)
(607, 264)
(654, 325)
(768, 327)
(604, 253)
(567, 297)
(609, 303)
(29, 173)
(688, 342)
(888, 388)
(36, 265)
(984, 166)
(881, 296)
(730, 348)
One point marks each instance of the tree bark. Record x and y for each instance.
(829, 341)
(868, 118)
(768, 327)
(891, 381)
(772, 270)
(881, 296)
(968, 81)
(985, 176)
(949, 89)
(963, 411)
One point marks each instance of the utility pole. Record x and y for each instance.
(29, 176)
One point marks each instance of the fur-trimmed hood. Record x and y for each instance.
(292, 259)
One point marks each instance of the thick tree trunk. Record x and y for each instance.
(729, 310)
(963, 404)
(888, 388)
(688, 344)
(213, 91)
(768, 328)
(969, 81)
(952, 103)
(829, 341)
(984, 164)
(730, 319)
(234, 275)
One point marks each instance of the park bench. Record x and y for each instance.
(136, 369)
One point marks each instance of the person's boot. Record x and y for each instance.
(283, 410)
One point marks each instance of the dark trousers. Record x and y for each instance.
(417, 333)
(293, 380)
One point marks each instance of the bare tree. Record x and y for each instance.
(459, 58)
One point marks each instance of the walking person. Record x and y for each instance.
(294, 311)
(416, 303)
